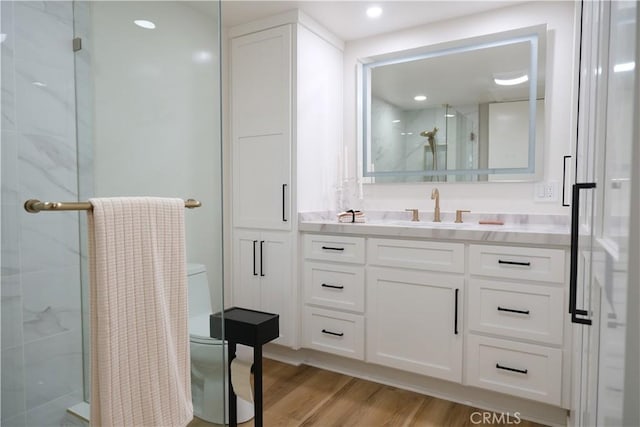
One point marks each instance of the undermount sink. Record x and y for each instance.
(426, 224)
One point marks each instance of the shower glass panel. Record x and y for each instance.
(41, 317)
(148, 120)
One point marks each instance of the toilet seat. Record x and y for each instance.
(204, 340)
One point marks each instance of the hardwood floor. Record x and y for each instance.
(308, 396)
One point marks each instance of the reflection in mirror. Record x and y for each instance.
(468, 112)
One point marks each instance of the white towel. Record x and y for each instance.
(351, 216)
(140, 362)
(358, 219)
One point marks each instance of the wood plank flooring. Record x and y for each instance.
(308, 396)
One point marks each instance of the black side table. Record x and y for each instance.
(252, 328)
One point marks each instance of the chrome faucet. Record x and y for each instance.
(435, 195)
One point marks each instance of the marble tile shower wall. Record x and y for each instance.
(387, 137)
(40, 295)
(397, 144)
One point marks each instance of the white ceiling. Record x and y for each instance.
(347, 19)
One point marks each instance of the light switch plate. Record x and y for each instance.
(546, 192)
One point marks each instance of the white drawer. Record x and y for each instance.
(334, 248)
(525, 370)
(533, 312)
(334, 285)
(423, 255)
(517, 262)
(334, 332)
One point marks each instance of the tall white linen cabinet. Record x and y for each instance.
(286, 108)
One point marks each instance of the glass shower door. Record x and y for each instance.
(148, 122)
(608, 111)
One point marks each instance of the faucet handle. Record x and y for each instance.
(459, 213)
(415, 216)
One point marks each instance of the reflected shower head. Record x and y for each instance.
(429, 133)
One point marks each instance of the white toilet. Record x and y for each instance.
(207, 356)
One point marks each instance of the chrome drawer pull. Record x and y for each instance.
(337, 334)
(324, 285)
(506, 368)
(511, 310)
(329, 248)
(525, 264)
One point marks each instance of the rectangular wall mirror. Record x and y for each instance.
(468, 110)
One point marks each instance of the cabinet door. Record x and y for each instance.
(411, 322)
(276, 291)
(246, 274)
(261, 128)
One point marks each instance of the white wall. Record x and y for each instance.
(559, 132)
(156, 114)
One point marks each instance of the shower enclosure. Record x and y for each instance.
(438, 138)
(100, 98)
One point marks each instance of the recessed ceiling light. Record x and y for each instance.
(202, 57)
(143, 23)
(420, 98)
(626, 66)
(395, 121)
(39, 84)
(402, 133)
(449, 115)
(374, 12)
(512, 82)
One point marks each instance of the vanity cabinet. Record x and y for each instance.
(416, 254)
(334, 295)
(261, 88)
(516, 321)
(414, 321)
(409, 305)
(514, 262)
(517, 310)
(487, 316)
(286, 121)
(343, 249)
(414, 315)
(525, 370)
(262, 276)
(335, 286)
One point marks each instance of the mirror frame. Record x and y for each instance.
(535, 35)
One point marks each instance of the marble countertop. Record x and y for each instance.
(547, 230)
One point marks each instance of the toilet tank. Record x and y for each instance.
(199, 299)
